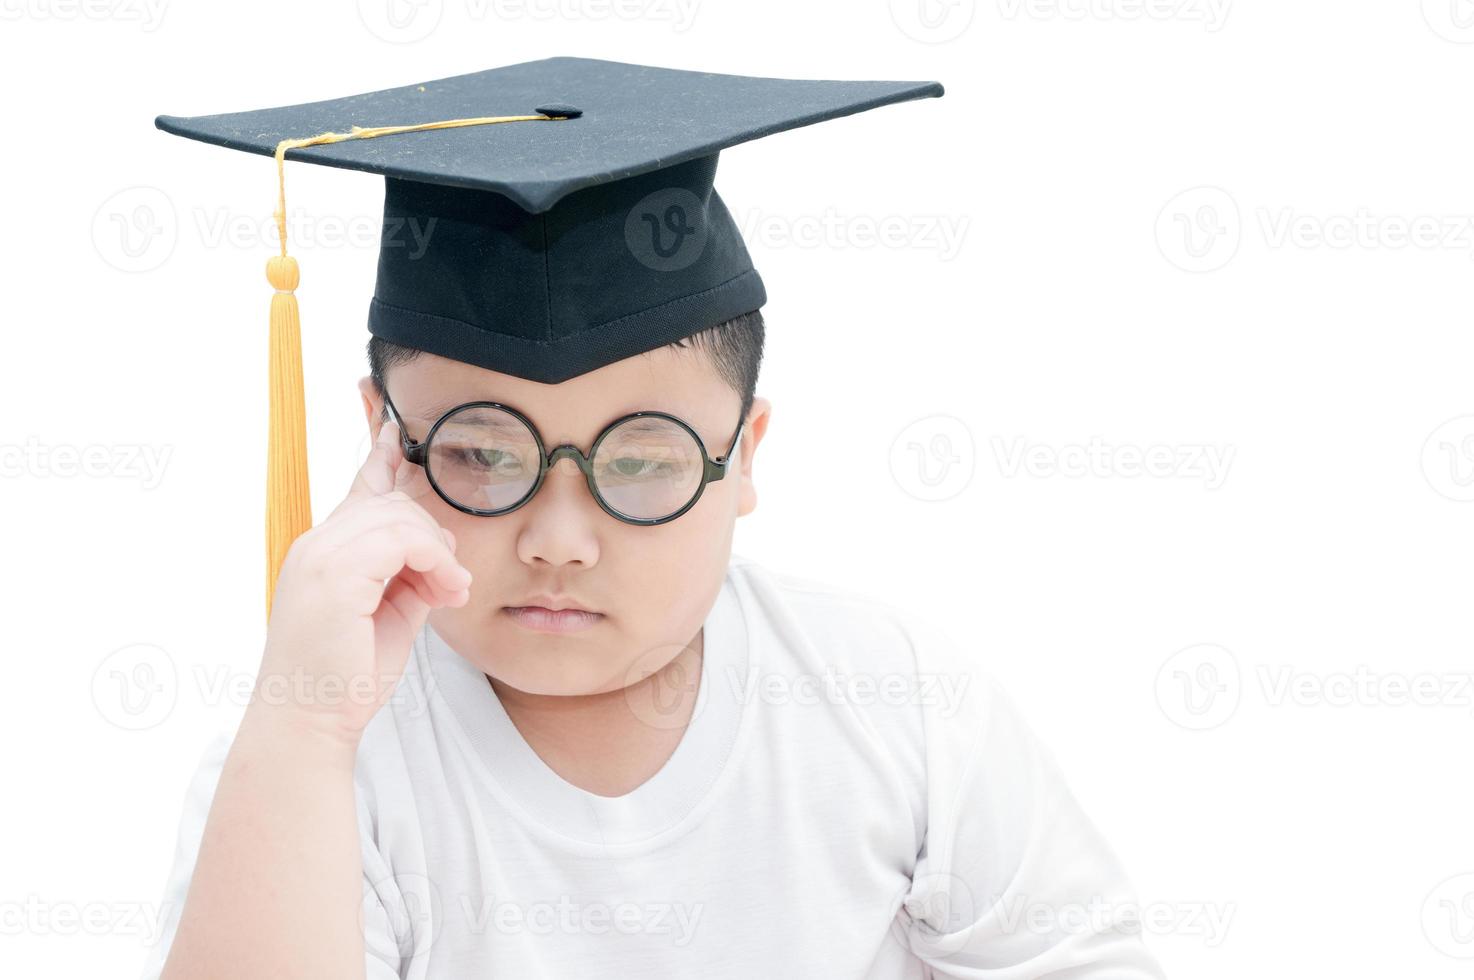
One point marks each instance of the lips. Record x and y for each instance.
(542, 619)
(554, 603)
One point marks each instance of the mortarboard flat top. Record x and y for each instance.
(635, 119)
(554, 247)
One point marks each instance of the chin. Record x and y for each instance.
(549, 663)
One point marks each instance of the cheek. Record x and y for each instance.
(669, 564)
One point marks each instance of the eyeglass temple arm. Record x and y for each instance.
(413, 451)
(717, 468)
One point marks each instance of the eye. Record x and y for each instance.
(483, 458)
(632, 467)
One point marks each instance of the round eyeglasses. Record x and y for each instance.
(487, 459)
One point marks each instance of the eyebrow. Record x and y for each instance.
(433, 412)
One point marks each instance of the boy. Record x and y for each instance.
(569, 729)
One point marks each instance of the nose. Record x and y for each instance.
(561, 520)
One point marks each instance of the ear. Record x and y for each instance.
(752, 434)
(373, 406)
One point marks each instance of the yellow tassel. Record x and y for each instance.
(288, 502)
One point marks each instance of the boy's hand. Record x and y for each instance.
(339, 635)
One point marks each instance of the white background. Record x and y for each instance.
(1163, 229)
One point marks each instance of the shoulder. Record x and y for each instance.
(813, 605)
(926, 681)
(852, 628)
(861, 654)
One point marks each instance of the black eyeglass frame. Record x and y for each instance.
(418, 454)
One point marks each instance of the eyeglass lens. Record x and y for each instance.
(487, 459)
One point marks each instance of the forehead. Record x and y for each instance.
(682, 382)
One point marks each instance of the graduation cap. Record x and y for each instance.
(564, 213)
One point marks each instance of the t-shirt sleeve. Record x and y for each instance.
(1013, 881)
(382, 958)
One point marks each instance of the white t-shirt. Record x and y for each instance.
(854, 797)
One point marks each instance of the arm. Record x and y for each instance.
(277, 884)
(279, 879)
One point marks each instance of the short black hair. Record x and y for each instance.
(734, 346)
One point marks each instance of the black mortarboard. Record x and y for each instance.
(583, 231)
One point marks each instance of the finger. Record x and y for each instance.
(405, 598)
(382, 552)
(433, 557)
(399, 616)
(422, 588)
(377, 474)
(431, 591)
(362, 516)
